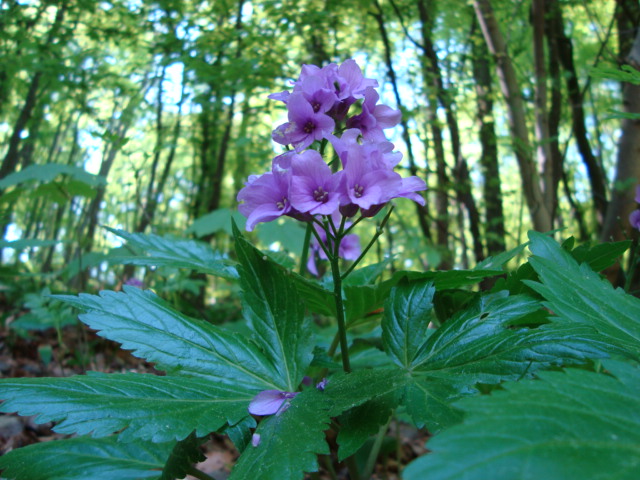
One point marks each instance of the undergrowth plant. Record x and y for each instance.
(535, 378)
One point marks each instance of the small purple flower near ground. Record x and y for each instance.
(269, 402)
(134, 282)
(255, 439)
(634, 218)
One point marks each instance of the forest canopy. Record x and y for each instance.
(149, 117)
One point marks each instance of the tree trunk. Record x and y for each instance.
(494, 231)
(616, 225)
(539, 211)
(597, 178)
(433, 76)
(542, 131)
(421, 211)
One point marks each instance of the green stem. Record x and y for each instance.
(305, 249)
(337, 292)
(352, 466)
(379, 231)
(375, 449)
(194, 472)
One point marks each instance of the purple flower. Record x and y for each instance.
(352, 137)
(304, 125)
(366, 180)
(374, 118)
(255, 439)
(322, 384)
(265, 198)
(134, 282)
(634, 219)
(269, 402)
(351, 81)
(314, 189)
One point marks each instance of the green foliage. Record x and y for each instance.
(570, 424)
(275, 313)
(48, 172)
(139, 406)
(576, 294)
(44, 312)
(171, 252)
(148, 326)
(496, 340)
(184, 454)
(81, 458)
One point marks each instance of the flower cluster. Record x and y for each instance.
(634, 218)
(300, 184)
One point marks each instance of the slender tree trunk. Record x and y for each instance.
(433, 76)
(542, 130)
(118, 132)
(540, 212)
(494, 214)
(616, 225)
(421, 211)
(597, 178)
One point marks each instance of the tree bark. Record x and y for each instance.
(492, 191)
(597, 178)
(616, 224)
(421, 211)
(462, 184)
(533, 193)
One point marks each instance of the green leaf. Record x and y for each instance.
(48, 172)
(184, 454)
(367, 275)
(480, 345)
(217, 221)
(277, 314)
(146, 406)
(289, 442)
(576, 293)
(145, 324)
(178, 253)
(498, 261)
(571, 424)
(86, 458)
(360, 423)
(27, 243)
(406, 320)
(602, 255)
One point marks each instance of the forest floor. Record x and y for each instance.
(76, 350)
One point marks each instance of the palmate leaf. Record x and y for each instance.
(178, 253)
(276, 312)
(145, 324)
(571, 424)
(291, 441)
(86, 458)
(575, 293)
(479, 345)
(146, 406)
